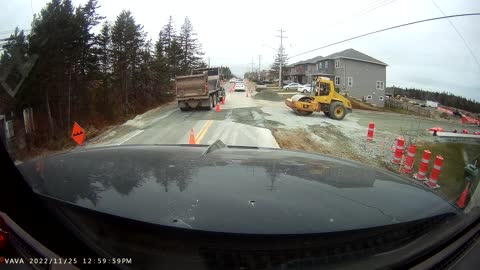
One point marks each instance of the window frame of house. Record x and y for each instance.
(326, 64)
(320, 65)
(337, 63)
(381, 98)
(350, 81)
(380, 85)
(338, 80)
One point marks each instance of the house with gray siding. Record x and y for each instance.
(353, 73)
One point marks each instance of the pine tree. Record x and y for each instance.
(87, 18)
(127, 39)
(191, 48)
(276, 63)
(103, 50)
(15, 51)
(171, 47)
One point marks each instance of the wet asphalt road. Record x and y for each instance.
(239, 122)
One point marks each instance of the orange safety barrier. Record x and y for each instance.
(371, 128)
(422, 171)
(217, 109)
(435, 173)
(408, 168)
(397, 158)
(465, 131)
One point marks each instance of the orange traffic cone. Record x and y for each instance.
(463, 198)
(223, 100)
(246, 93)
(192, 137)
(217, 109)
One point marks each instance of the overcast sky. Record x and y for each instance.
(429, 55)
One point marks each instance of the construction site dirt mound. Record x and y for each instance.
(268, 95)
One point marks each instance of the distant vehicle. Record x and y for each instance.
(240, 86)
(457, 113)
(261, 85)
(432, 104)
(201, 89)
(307, 88)
(232, 80)
(292, 86)
(287, 82)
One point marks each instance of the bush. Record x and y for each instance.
(444, 115)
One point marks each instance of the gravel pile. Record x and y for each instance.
(268, 95)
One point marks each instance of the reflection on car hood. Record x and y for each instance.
(232, 189)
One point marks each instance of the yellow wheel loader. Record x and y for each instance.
(322, 98)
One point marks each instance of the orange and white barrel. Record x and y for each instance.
(422, 171)
(397, 157)
(408, 168)
(371, 129)
(435, 173)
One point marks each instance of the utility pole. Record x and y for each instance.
(251, 71)
(281, 57)
(259, 65)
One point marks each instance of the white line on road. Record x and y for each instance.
(131, 136)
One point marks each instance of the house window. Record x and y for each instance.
(350, 81)
(369, 97)
(337, 64)
(320, 65)
(380, 98)
(326, 64)
(380, 85)
(337, 80)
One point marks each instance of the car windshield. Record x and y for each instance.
(334, 125)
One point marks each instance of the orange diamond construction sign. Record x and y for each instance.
(78, 133)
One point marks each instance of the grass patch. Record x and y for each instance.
(451, 179)
(401, 111)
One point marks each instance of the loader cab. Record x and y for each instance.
(323, 89)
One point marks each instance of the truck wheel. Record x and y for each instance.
(212, 103)
(337, 110)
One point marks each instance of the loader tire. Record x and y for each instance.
(337, 110)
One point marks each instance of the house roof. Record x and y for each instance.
(355, 55)
(349, 54)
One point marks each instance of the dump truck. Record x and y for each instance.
(201, 89)
(324, 99)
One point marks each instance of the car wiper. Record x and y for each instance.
(218, 144)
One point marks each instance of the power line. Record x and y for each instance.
(370, 7)
(386, 29)
(460, 35)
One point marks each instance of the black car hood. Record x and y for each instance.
(232, 189)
